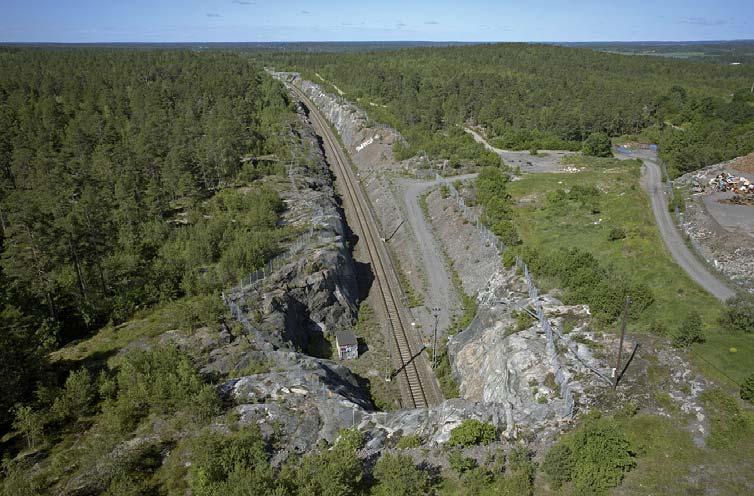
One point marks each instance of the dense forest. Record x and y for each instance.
(113, 174)
(547, 97)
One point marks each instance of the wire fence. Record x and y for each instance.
(472, 215)
(560, 379)
(307, 239)
(489, 239)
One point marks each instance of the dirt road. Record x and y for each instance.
(652, 183)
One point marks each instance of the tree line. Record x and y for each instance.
(546, 97)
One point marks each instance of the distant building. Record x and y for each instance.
(348, 345)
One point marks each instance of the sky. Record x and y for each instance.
(70, 21)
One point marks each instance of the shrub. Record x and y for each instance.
(598, 145)
(410, 441)
(231, 464)
(594, 458)
(461, 463)
(444, 191)
(76, 397)
(472, 432)
(583, 194)
(616, 233)
(556, 197)
(509, 258)
(30, 424)
(397, 475)
(586, 281)
(506, 231)
(739, 314)
(523, 320)
(337, 471)
(689, 331)
(677, 201)
(747, 389)
(350, 439)
(558, 464)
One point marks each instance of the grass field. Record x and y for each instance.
(641, 254)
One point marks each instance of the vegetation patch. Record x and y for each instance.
(472, 432)
(592, 460)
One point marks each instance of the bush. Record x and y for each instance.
(729, 424)
(616, 234)
(350, 439)
(586, 281)
(556, 197)
(558, 464)
(598, 145)
(677, 201)
(76, 397)
(408, 442)
(523, 320)
(461, 463)
(337, 471)
(30, 424)
(231, 464)
(509, 258)
(472, 432)
(583, 194)
(747, 389)
(397, 475)
(738, 315)
(594, 458)
(506, 231)
(689, 331)
(444, 191)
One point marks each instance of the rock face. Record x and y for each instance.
(307, 400)
(313, 291)
(498, 362)
(366, 142)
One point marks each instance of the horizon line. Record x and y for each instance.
(717, 40)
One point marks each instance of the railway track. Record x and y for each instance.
(419, 387)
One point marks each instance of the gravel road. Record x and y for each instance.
(441, 292)
(545, 161)
(652, 183)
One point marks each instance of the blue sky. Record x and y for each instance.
(294, 20)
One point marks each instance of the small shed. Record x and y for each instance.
(348, 345)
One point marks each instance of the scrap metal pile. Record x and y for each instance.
(726, 182)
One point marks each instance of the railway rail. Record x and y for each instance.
(419, 387)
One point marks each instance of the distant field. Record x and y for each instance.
(723, 52)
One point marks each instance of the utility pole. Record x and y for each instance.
(616, 373)
(436, 315)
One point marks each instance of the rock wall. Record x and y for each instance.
(309, 399)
